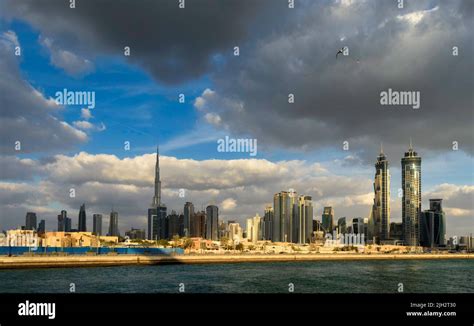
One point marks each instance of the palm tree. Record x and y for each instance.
(188, 243)
(224, 242)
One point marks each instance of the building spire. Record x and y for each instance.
(157, 197)
(411, 145)
(381, 148)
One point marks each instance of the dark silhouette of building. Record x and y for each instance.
(97, 224)
(328, 219)
(135, 234)
(30, 221)
(67, 225)
(113, 225)
(212, 222)
(62, 221)
(396, 231)
(42, 226)
(433, 225)
(317, 226)
(188, 213)
(82, 225)
(342, 225)
(174, 227)
(267, 233)
(198, 225)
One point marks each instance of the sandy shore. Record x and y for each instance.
(120, 260)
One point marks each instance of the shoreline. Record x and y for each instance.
(21, 262)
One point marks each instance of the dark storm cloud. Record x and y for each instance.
(172, 44)
(335, 100)
(293, 51)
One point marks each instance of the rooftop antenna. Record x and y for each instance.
(411, 145)
(381, 148)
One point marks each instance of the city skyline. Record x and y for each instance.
(292, 217)
(265, 78)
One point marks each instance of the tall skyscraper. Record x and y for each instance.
(267, 231)
(157, 196)
(113, 224)
(30, 221)
(62, 221)
(292, 222)
(157, 211)
(82, 225)
(188, 214)
(97, 224)
(304, 218)
(381, 206)
(411, 201)
(212, 222)
(433, 225)
(282, 210)
(328, 219)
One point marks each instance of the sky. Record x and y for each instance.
(138, 58)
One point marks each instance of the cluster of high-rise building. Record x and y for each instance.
(64, 223)
(426, 228)
(191, 223)
(290, 218)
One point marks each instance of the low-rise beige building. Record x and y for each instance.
(75, 239)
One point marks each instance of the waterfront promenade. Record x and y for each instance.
(120, 260)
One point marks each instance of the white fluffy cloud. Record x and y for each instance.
(71, 63)
(86, 125)
(86, 114)
(458, 201)
(228, 204)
